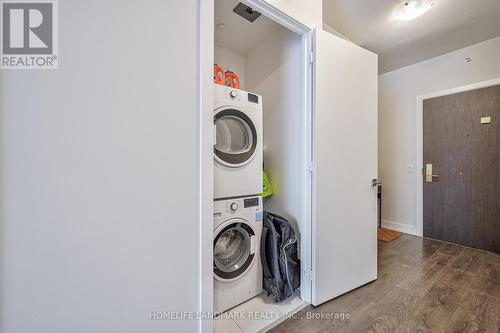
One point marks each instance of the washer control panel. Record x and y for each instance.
(234, 206)
(230, 207)
(251, 202)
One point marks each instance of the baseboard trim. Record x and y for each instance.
(401, 227)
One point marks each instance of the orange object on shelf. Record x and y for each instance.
(232, 80)
(219, 76)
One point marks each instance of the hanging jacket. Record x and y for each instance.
(279, 256)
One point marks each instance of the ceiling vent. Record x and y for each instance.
(246, 12)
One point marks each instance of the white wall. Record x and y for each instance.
(330, 29)
(398, 91)
(272, 71)
(231, 61)
(308, 12)
(99, 174)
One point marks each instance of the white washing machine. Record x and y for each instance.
(236, 258)
(238, 143)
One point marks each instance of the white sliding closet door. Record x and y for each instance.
(345, 135)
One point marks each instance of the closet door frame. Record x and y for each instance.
(205, 152)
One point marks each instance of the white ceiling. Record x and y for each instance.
(449, 25)
(241, 35)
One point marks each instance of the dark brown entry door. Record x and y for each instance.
(462, 203)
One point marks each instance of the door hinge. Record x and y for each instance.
(311, 57)
(310, 167)
(308, 276)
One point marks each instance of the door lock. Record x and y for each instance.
(429, 177)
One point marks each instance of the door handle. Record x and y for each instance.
(375, 182)
(215, 136)
(429, 176)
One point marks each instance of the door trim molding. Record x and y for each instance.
(419, 214)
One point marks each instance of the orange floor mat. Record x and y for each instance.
(387, 235)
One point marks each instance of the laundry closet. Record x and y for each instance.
(268, 116)
(266, 57)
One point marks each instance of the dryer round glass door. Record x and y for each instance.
(232, 250)
(236, 138)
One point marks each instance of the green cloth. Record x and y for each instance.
(267, 191)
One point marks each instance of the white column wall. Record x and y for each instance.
(99, 174)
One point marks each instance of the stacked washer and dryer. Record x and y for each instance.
(238, 155)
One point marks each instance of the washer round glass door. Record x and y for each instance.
(232, 249)
(236, 138)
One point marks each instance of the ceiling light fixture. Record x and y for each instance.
(411, 9)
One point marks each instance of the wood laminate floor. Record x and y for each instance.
(423, 285)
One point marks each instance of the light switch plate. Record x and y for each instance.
(485, 120)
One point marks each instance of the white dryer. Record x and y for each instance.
(238, 143)
(236, 258)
